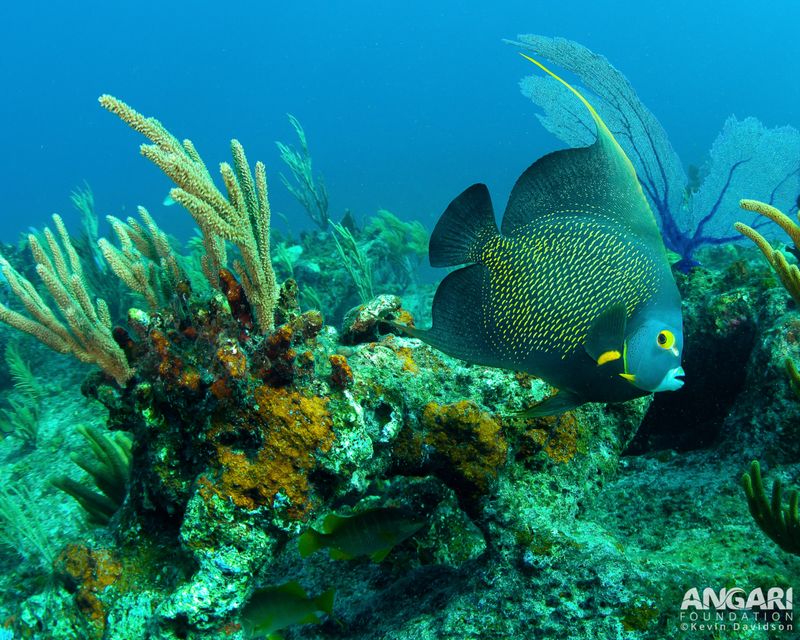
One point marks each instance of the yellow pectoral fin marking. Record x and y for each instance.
(608, 356)
(628, 376)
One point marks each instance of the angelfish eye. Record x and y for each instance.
(665, 339)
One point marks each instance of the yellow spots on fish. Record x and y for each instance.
(482, 238)
(608, 356)
(549, 281)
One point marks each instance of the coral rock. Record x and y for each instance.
(363, 323)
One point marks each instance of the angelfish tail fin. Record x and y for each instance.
(465, 227)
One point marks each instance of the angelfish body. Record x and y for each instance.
(575, 287)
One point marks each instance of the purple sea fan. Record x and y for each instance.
(746, 160)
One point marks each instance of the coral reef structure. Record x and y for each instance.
(258, 447)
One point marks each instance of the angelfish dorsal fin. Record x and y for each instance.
(604, 135)
(465, 226)
(591, 182)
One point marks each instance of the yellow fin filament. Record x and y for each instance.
(602, 129)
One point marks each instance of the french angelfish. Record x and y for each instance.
(574, 288)
(372, 533)
(274, 608)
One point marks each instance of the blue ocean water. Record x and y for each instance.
(404, 104)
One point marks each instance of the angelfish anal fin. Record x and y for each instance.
(605, 341)
(553, 406)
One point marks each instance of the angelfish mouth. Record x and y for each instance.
(673, 380)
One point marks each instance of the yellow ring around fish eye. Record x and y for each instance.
(665, 339)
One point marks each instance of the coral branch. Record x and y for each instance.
(144, 260)
(789, 274)
(355, 261)
(242, 217)
(84, 329)
(781, 523)
(309, 191)
(109, 466)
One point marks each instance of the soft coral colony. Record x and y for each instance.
(197, 379)
(144, 260)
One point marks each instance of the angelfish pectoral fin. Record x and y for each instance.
(337, 554)
(629, 377)
(605, 340)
